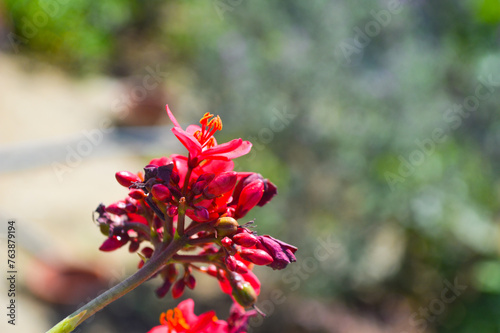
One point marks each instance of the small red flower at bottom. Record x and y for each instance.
(182, 319)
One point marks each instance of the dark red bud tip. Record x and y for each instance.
(190, 282)
(258, 257)
(178, 288)
(226, 226)
(126, 178)
(245, 239)
(161, 192)
(221, 184)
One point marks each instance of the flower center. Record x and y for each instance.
(174, 320)
(208, 128)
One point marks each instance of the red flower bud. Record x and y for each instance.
(172, 211)
(136, 194)
(117, 208)
(249, 197)
(163, 290)
(161, 192)
(190, 281)
(134, 246)
(202, 213)
(201, 183)
(245, 239)
(113, 243)
(130, 207)
(258, 257)
(170, 273)
(222, 183)
(178, 288)
(241, 267)
(226, 242)
(230, 263)
(126, 178)
(212, 270)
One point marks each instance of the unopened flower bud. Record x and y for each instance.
(134, 246)
(226, 242)
(190, 281)
(161, 192)
(169, 273)
(126, 178)
(230, 263)
(130, 207)
(113, 243)
(178, 288)
(117, 208)
(201, 183)
(163, 290)
(211, 270)
(172, 211)
(241, 267)
(136, 194)
(245, 239)
(202, 213)
(226, 226)
(244, 294)
(258, 257)
(222, 183)
(249, 197)
(174, 177)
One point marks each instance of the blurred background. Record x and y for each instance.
(377, 120)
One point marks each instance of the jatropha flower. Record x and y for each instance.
(183, 319)
(204, 187)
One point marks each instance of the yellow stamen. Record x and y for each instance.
(174, 319)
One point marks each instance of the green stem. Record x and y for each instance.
(149, 269)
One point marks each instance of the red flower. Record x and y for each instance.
(201, 144)
(183, 319)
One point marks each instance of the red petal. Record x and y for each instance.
(187, 309)
(171, 116)
(225, 147)
(188, 140)
(160, 329)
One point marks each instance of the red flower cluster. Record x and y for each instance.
(203, 187)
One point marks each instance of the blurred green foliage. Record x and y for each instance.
(358, 121)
